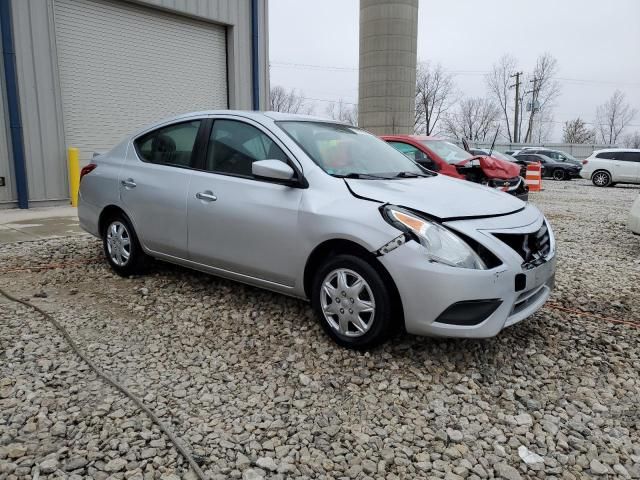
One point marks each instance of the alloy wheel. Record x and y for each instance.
(601, 179)
(118, 243)
(558, 175)
(347, 303)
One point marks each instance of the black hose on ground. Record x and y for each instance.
(114, 383)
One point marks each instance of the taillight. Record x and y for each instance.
(88, 169)
(584, 162)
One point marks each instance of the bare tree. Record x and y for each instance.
(542, 130)
(435, 94)
(576, 131)
(632, 140)
(498, 82)
(544, 90)
(281, 100)
(612, 117)
(475, 119)
(343, 112)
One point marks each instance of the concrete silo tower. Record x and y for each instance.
(388, 51)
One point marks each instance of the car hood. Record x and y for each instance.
(493, 167)
(439, 196)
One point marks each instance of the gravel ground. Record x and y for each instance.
(251, 385)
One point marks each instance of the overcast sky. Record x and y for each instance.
(596, 43)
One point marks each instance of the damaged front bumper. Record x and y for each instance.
(439, 300)
(513, 186)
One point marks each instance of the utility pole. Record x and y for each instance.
(516, 138)
(532, 109)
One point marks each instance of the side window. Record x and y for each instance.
(235, 145)
(171, 145)
(605, 155)
(415, 154)
(409, 150)
(630, 156)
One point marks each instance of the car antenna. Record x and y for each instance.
(493, 144)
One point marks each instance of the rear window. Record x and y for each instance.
(606, 155)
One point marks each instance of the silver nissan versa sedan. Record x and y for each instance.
(322, 211)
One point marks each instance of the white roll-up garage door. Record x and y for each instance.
(123, 66)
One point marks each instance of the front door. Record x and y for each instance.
(237, 223)
(154, 183)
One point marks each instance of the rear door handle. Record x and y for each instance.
(128, 183)
(207, 196)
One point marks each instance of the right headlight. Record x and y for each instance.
(440, 244)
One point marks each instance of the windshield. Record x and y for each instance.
(448, 151)
(343, 150)
(502, 156)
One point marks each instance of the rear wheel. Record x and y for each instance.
(601, 179)
(352, 302)
(559, 174)
(121, 246)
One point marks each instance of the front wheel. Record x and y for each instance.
(121, 246)
(601, 179)
(559, 174)
(352, 302)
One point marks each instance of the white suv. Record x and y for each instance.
(613, 165)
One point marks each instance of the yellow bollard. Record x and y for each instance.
(74, 174)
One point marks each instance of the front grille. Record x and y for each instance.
(509, 182)
(532, 247)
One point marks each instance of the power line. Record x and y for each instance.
(311, 66)
(579, 81)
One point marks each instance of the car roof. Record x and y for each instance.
(604, 150)
(524, 152)
(256, 115)
(418, 138)
(248, 114)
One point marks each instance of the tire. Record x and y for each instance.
(121, 246)
(601, 178)
(374, 327)
(559, 174)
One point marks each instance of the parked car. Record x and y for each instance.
(322, 211)
(634, 216)
(607, 167)
(557, 155)
(502, 156)
(447, 158)
(550, 167)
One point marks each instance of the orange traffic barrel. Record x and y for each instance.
(534, 177)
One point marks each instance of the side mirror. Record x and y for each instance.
(272, 170)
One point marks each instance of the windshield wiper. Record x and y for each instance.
(362, 176)
(410, 175)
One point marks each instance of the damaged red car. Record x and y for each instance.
(449, 159)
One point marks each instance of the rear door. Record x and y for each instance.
(154, 183)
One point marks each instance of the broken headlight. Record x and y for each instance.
(441, 245)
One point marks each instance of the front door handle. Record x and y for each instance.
(128, 183)
(207, 196)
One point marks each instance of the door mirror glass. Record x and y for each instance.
(272, 170)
